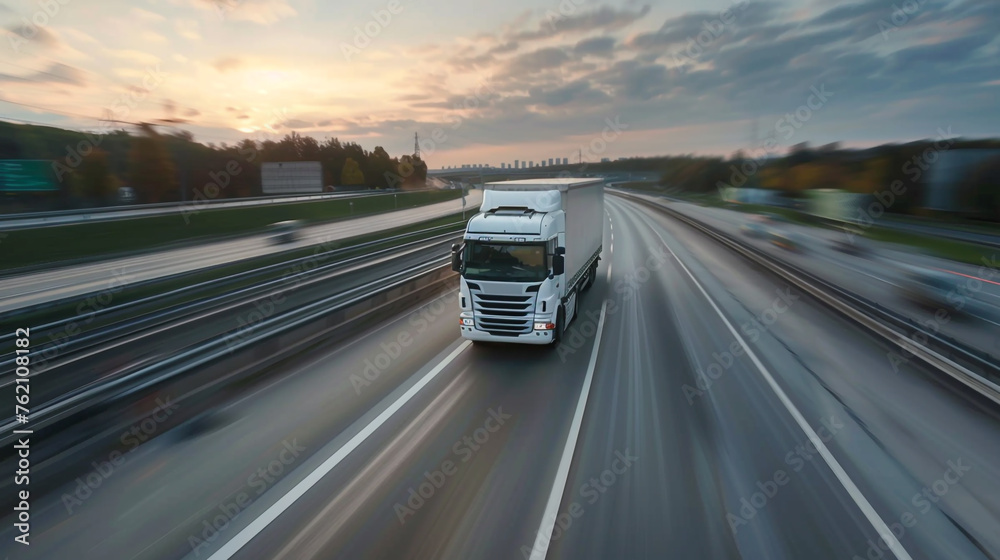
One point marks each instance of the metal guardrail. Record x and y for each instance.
(959, 361)
(189, 310)
(201, 286)
(268, 341)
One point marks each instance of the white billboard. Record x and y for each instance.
(291, 177)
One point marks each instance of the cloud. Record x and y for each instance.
(572, 93)
(38, 35)
(603, 18)
(262, 12)
(145, 16)
(296, 123)
(536, 61)
(55, 73)
(595, 46)
(227, 64)
(188, 29)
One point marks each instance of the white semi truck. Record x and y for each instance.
(527, 257)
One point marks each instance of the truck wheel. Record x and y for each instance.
(591, 276)
(560, 326)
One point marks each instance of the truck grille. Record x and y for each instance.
(503, 315)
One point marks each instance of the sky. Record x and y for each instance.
(491, 82)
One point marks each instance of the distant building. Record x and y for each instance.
(565, 161)
(605, 160)
(531, 163)
(550, 161)
(517, 164)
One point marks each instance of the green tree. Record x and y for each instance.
(152, 173)
(352, 175)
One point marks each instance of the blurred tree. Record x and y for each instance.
(152, 172)
(984, 183)
(93, 179)
(352, 174)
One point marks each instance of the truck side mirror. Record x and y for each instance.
(558, 264)
(456, 257)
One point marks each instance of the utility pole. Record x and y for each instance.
(416, 146)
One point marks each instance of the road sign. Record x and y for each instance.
(27, 175)
(291, 177)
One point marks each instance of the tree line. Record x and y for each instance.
(905, 169)
(160, 166)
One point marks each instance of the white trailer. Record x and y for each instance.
(527, 257)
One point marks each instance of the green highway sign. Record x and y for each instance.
(26, 175)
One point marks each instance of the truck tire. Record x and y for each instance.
(591, 276)
(560, 327)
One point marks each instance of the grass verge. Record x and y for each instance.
(32, 247)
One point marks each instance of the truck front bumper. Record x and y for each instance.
(534, 337)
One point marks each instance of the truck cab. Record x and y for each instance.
(515, 284)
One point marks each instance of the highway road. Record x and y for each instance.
(109, 275)
(968, 310)
(697, 408)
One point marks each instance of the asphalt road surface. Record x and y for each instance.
(38, 287)
(697, 409)
(968, 309)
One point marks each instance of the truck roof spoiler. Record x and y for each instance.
(513, 211)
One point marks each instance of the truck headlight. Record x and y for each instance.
(466, 322)
(544, 326)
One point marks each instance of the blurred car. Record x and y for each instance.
(755, 227)
(849, 243)
(785, 239)
(285, 232)
(929, 288)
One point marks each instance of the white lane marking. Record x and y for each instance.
(611, 245)
(283, 503)
(831, 461)
(543, 538)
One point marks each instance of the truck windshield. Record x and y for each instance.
(511, 262)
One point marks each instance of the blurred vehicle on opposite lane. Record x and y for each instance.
(285, 232)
